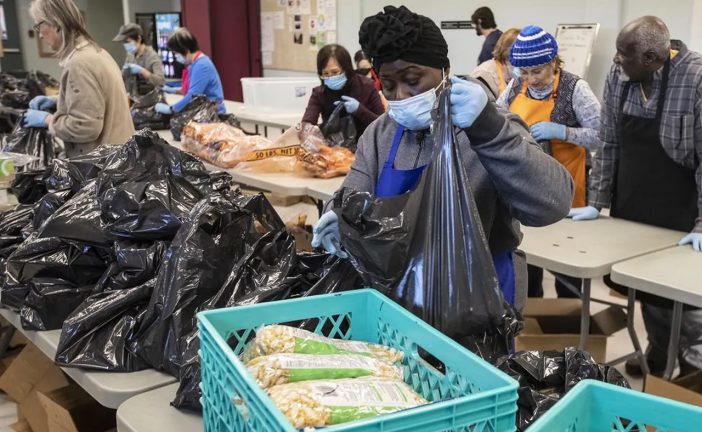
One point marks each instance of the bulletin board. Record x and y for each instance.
(292, 31)
(575, 42)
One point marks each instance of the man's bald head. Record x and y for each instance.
(643, 46)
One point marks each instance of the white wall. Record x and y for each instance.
(464, 45)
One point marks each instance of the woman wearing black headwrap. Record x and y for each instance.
(512, 179)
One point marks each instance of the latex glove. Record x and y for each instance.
(468, 100)
(35, 119)
(583, 213)
(695, 239)
(326, 234)
(350, 104)
(548, 131)
(170, 90)
(134, 69)
(42, 103)
(163, 108)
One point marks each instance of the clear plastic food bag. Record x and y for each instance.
(286, 368)
(274, 339)
(325, 403)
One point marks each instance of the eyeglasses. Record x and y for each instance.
(37, 26)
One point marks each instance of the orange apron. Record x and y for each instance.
(571, 156)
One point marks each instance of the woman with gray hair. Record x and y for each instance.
(92, 106)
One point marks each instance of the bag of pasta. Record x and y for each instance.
(326, 403)
(280, 339)
(286, 368)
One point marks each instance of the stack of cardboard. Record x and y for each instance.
(47, 400)
(686, 389)
(554, 324)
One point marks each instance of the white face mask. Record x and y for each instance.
(414, 113)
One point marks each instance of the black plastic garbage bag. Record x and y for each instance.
(49, 302)
(427, 250)
(36, 83)
(9, 117)
(340, 129)
(215, 236)
(32, 141)
(79, 220)
(18, 99)
(199, 110)
(28, 186)
(47, 206)
(148, 100)
(134, 263)
(144, 118)
(545, 376)
(72, 174)
(98, 334)
(148, 187)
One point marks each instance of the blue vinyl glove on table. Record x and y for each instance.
(583, 213)
(35, 119)
(134, 69)
(548, 131)
(350, 104)
(163, 108)
(42, 103)
(695, 239)
(326, 234)
(468, 100)
(170, 90)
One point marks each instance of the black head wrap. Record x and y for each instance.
(398, 33)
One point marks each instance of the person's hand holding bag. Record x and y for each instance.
(468, 100)
(326, 234)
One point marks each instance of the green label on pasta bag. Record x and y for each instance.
(297, 375)
(342, 414)
(311, 346)
(7, 167)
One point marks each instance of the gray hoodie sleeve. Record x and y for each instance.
(535, 187)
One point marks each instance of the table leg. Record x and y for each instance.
(630, 309)
(674, 340)
(265, 131)
(320, 207)
(585, 314)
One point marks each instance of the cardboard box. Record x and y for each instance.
(29, 373)
(554, 324)
(687, 389)
(71, 409)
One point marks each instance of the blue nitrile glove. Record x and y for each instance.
(583, 213)
(35, 119)
(350, 104)
(134, 69)
(326, 234)
(695, 239)
(468, 100)
(163, 108)
(548, 131)
(170, 90)
(42, 103)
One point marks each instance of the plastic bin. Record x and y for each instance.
(594, 406)
(282, 96)
(471, 394)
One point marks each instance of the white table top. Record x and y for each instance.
(152, 411)
(588, 249)
(110, 389)
(282, 120)
(674, 273)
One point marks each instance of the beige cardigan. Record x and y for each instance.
(92, 106)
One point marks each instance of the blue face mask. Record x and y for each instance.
(130, 47)
(180, 58)
(414, 113)
(336, 82)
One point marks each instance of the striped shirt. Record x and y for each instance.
(680, 128)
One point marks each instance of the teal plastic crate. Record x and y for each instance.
(472, 395)
(593, 406)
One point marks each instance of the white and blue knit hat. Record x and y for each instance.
(533, 47)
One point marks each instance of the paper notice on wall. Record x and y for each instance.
(279, 20)
(282, 3)
(267, 58)
(267, 32)
(293, 7)
(312, 25)
(331, 37)
(305, 7)
(331, 14)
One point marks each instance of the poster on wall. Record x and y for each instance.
(3, 25)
